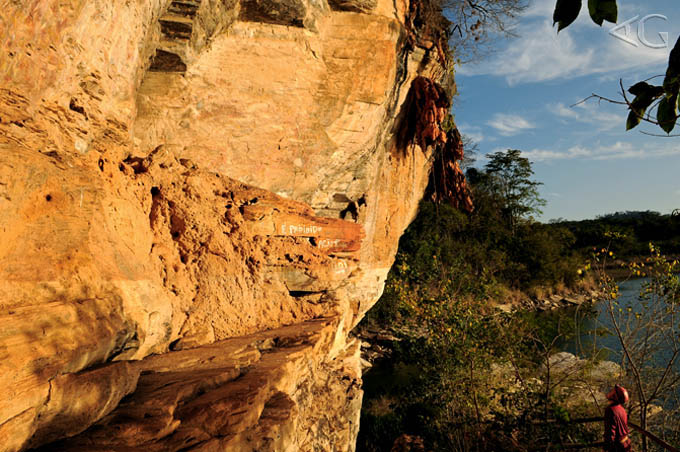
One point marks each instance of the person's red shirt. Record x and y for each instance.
(615, 424)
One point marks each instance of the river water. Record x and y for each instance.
(589, 330)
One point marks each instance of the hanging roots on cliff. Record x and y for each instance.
(428, 123)
(447, 181)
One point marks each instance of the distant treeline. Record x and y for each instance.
(637, 230)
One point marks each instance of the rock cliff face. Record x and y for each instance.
(199, 199)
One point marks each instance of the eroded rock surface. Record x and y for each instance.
(198, 200)
(266, 391)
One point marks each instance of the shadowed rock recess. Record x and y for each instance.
(199, 199)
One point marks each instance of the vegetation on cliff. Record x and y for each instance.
(464, 376)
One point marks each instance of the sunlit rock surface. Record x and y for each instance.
(198, 201)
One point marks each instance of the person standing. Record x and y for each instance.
(616, 422)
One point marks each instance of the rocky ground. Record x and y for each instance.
(552, 302)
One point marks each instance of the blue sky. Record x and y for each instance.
(521, 97)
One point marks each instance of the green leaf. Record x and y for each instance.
(639, 88)
(672, 81)
(601, 10)
(645, 89)
(633, 120)
(666, 113)
(566, 12)
(642, 101)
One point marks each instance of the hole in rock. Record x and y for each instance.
(167, 62)
(304, 293)
(73, 105)
(138, 164)
(184, 8)
(341, 197)
(176, 29)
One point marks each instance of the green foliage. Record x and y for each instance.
(671, 83)
(666, 115)
(452, 384)
(448, 253)
(646, 328)
(634, 230)
(508, 178)
(566, 12)
(644, 94)
(441, 383)
(601, 10)
(436, 377)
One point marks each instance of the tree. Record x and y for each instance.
(648, 331)
(471, 149)
(476, 23)
(508, 176)
(651, 103)
(463, 25)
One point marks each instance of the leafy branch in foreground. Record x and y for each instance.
(566, 12)
(647, 330)
(663, 99)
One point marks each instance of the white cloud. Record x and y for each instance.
(618, 150)
(590, 113)
(477, 137)
(509, 124)
(539, 54)
(540, 8)
(542, 155)
(563, 111)
(473, 132)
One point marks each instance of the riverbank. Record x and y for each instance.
(461, 374)
(547, 298)
(378, 339)
(619, 269)
(564, 299)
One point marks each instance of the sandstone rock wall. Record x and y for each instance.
(198, 201)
